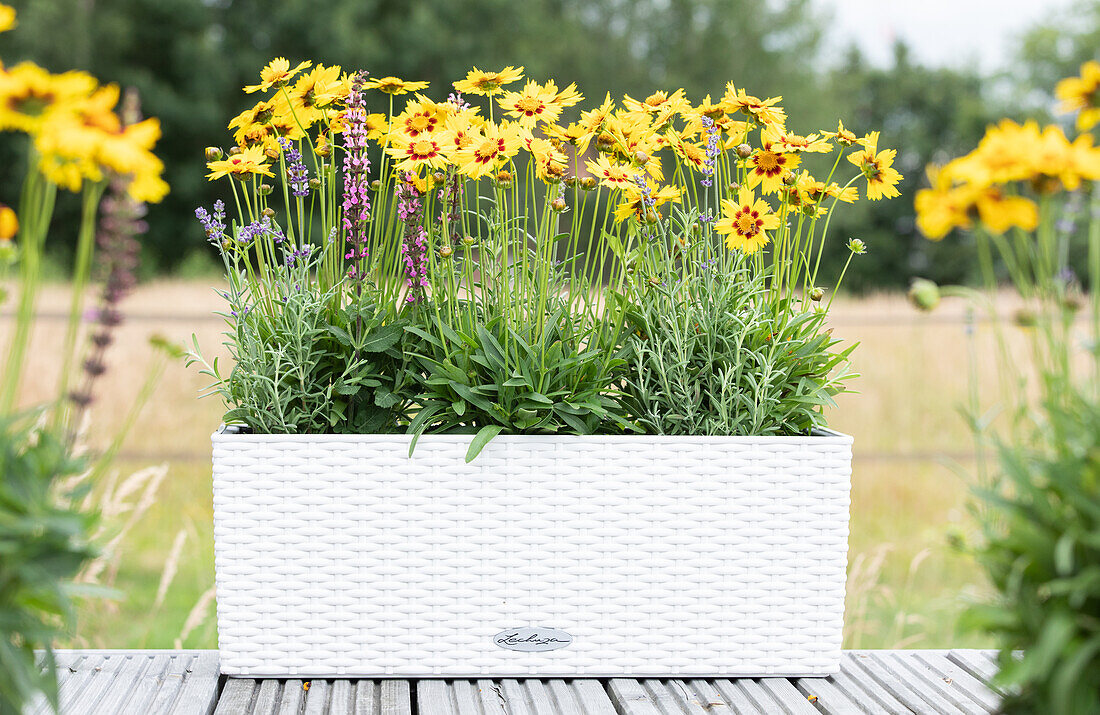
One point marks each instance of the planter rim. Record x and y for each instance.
(819, 436)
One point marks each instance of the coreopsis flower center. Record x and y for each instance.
(530, 105)
(769, 162)
(748, 222)
(32, 104)
(419, 123)
(487, 151)
(424, 148)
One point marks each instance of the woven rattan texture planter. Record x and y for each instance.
(338, 555)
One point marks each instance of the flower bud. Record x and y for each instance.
(438, 177)
(924, 294)
(445, 251)
(468, 240)
(641, 157)
(503, 177)
(1025, 318)
(234, 150)
(315, 183)
(558, 205)
(268, 212)
(570, 181)
(744, 151)
(654, 281)
(651, 216)
(376, 184)
(271, 153)
(322, 147)
(588, 183)
(266, 189)
(789, 178)
(733, 186)
(213, 153)
(605, 142)
(857, 246)
(816, 294)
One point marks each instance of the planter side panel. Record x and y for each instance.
(341, 556)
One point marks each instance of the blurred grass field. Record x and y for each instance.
(913, 454)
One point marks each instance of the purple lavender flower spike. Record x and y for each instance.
(296, 173)
(356, 203)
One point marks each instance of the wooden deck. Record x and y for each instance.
(187, 683)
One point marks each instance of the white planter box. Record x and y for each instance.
(338, 555)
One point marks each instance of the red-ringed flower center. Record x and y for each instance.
(419, 123)
(530, 105)
(748, 222)
(486, 151)
(769, 162)
(423, 149)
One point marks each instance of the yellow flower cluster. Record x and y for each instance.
(994, 183)
(632, 141)
(76, 133)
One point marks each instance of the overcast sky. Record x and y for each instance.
(941, 32)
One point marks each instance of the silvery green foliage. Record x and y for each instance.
(710, 354)
(309, 363)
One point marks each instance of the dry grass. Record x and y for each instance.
(910, 483)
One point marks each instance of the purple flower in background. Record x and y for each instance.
(712, 151)
(356, 170)
(212, 224)
(293, 256)
(251, 232)
(296, 174)
(415, 246)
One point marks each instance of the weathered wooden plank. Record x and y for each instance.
(737, 697)
(316, 696)
(941, 666)
(341, 698)
(699, 696)
(236, 697)
(171, 683)
(148, 685)
(976, 663)
(267, 697)
(863, 689)
(199, 692)
(591, 694)
(630, 697)
(291, 701)
(103, 676)
(395, 698)
(824, 694)
(434, 696)
(115, 700)
(787, 696)
(918, 699)
(922, 679)
(367, 700)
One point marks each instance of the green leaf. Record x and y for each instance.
(382, 339)
(482, 438)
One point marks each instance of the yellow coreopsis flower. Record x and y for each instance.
(9, 223)
(745, 222)
(999, 211)
(250, 161)
(688, 151)
(593, 120)
(313, 91)
(421, 116)
(276, 74)
(843, 136)
(462, 130)
(877, 168)
(487, 84)
(7, 17)
(536, 103)
(414, 153)
(767, 166)
(652, 104)
(574, 134)
(1079, 94)
(764, 111)
(942, 207)
(495, 144)
(786, 142)
(550, 162)
(636, 202)
(611, 174)
(29, 94)
(394, 85)
(565, 98)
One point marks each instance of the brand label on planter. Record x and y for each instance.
(532, 640)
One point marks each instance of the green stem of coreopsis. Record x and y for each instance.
(36, 204)
(85, 247)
